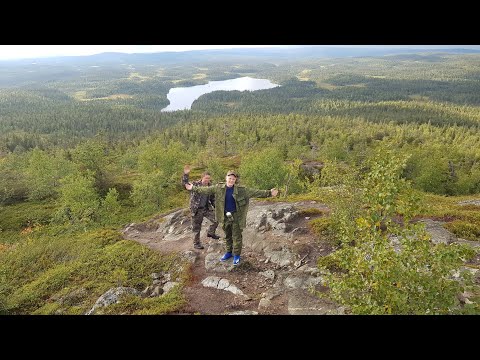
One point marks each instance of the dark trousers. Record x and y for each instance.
(197, 220)
(233, 235)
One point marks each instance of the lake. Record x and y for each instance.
(182, 98)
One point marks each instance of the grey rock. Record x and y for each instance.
(269, 274)
(293, 282)
(302, 303)
(211, 281)
(470, 202)
(169, 286)
(213, 263)
(309, 270)
(157, 291)
(438, 233)
(223, 284)
(234, 290)
(112, 296)
(155, 276)
(471, 243)
(190, 256)
(283, 257)
(243, 312)
(264, 303)
(272, 293)
(312, 282)
(146, 292)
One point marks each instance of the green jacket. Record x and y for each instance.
(241, 194)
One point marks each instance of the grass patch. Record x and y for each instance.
(23, 216)
(464, 230)
(52, 264)
(312, 211)
(462, 220)
(135, 305)
(323, 228)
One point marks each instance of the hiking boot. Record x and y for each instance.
(213, 236)
(227, 256)
(198, 246)
(236, 260)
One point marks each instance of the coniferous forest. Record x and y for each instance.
(86, 150)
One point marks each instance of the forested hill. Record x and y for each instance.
(381, 139)
(62, 100)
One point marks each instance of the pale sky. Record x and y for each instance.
(13, 52)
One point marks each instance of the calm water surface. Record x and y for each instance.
(182, 98)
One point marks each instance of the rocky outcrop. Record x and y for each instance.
(470, 202)
(161, 285)
(112, 296)
(222, 284)
(439, 234)
(279, 257)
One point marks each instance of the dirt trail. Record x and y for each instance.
(276, 259)
(278, 263)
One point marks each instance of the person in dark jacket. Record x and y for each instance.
(201, 206)
(231, 206)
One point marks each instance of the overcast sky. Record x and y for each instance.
(10, 52)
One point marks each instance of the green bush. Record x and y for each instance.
(368, 275)
(149, 192)
(110, 207)
(53, 262)
(33, 294)
(78, 198)
(323, 228)
(263, 170)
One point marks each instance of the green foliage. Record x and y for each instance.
(79, 201)
(216, 170)
(33, 294)
(110, 207)
(90, 156)
(464, 229)
(103, 237)
(332, 110)
(78, 266)
(17, 217)
(263, 170)
(295, 181)
(338, 187)
(369, 274)
(323, 228)
(168, 159)
(149, 192)
(120, 276)
(43, 173)
(13, 186)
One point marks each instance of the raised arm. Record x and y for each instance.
(261, 193)
(207, 190)
(185, 176)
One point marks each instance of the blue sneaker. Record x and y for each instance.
(227, 256)
(236, 260)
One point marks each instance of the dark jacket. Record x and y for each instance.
(196, 198)
(241, 194)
